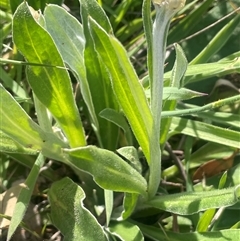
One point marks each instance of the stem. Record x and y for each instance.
(164, 12)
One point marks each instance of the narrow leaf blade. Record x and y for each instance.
(205, 131)
(125, 84)
(98, 77)
(194, 202)
(25, 196)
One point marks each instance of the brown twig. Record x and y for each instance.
(177, 161)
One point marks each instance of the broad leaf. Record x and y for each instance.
(17, 124)
(70, 216)
(51, 85)
(68, 35)
(108, 170)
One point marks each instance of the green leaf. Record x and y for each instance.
(69, 215)
(44, 119)
(222, 180)
(194, 202)
(108, 170)
(25, 196)
(215, 104)
(130, 199)
(184, 27)
(217, 42)
(205, 131)
(148, 25)
(236, 225)
(23, 130)
(118, 119)
(200, 72)
(205, 220)
(159, 234)
(126, 86)
(98, 77)
(52, 86)
(129, 204)
(178, 71)
(131, 154)
(5, 4)
(16, 123)
(10, 83)
(8, 145)
(174, 93)
(93, 9)
(205, 71)
(35, 4)
(126, 231)
(68, 35)
(226, 119)
(187, 153)
(108, 198)
(179, 68)
(119, 13)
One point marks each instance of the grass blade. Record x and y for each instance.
(24, 196)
